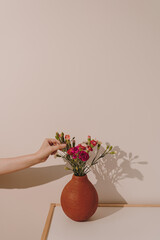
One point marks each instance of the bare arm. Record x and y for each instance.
(49, 147)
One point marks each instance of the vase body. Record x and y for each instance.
(79, 198)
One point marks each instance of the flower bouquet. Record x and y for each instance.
(79, 198)
(78, 155)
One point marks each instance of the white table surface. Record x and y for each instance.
(112, 223)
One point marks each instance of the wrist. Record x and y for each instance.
(38, 157)
(41, 156)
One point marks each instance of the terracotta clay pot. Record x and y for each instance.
(79, 198)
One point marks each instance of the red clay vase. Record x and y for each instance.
(79, 198)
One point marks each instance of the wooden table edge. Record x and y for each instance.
(48, 221)
(53, 205)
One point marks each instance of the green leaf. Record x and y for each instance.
(57, 136)
(112, 152)
(110, 148)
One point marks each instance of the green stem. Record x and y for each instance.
(88, 167)
(95, 161)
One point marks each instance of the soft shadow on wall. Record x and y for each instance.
(32, 177)
(113, 168)
(108, 173)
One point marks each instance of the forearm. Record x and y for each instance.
(49, 146)
(8, 165)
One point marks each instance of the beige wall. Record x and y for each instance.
(83, 67)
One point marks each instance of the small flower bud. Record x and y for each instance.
(57, 136)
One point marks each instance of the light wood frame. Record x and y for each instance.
(53, 205)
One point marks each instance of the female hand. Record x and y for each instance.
(49, 147)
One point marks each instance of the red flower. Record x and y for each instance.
(67, 137)
(73, 150)
(70, 151)
(89, 148)
(89, 137)
(76, 149)
(81, 147)
(84, 156)
(93, 142)
(74, 156)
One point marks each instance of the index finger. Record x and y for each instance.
(53, 141)
(56, 141)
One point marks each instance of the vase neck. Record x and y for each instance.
(80, 178)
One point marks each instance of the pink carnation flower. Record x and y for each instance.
(93, 142)
(81, 147)
(70, 151)
(84, 156)
(89, 148)
(67, 137)
(76, 149)
(74, 156)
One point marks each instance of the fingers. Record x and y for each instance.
(59, 146)
(52, 141)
